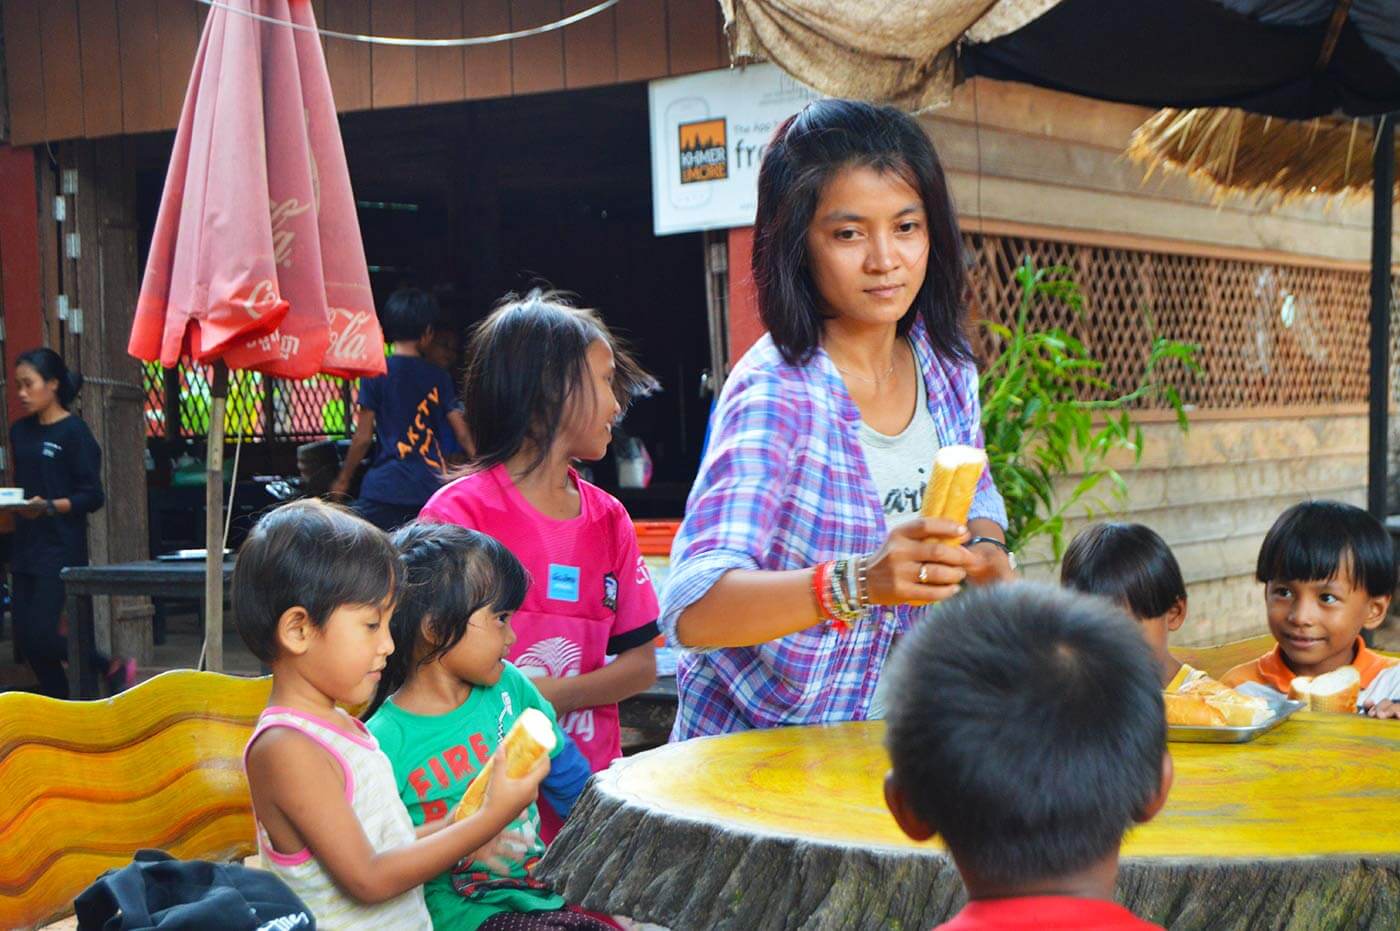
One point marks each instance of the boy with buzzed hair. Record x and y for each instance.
(1026, 728)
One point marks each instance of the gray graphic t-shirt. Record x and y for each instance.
(900, 464)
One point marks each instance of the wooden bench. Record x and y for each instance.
(1218, 660)
(84, 785)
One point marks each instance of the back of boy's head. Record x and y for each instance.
(525, 362)
(1319, 540)
(407, 315)
(1127, 563)
(310, 554)
(1026, 727)
(449, 573)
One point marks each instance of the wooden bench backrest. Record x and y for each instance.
(1218, 660)
(84, 785)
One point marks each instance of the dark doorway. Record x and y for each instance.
(477, 200)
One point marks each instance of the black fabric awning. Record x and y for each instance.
(1257, 55)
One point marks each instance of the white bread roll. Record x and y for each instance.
(1336, 691)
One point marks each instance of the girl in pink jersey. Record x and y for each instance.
(545, 383)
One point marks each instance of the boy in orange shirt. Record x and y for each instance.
(1328, 571)
(1001, 742)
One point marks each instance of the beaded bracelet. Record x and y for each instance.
(825, 588)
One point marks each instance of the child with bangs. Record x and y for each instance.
(1328, 570)
(545, 383)
(1132, 566)
(313, 589)
(445, 704)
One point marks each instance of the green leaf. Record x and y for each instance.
(1041, 396)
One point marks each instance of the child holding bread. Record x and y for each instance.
(1001, 742)
(313, 588)
(447, 701)
(1328, 571)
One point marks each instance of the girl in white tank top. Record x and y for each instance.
(369, 782)
(313, 590)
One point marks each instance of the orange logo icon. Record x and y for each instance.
(704, 151)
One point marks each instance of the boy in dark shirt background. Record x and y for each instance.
(1026, 728)
(412, 411)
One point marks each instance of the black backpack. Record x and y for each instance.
(157, 891)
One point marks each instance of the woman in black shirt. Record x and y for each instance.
(59, 465)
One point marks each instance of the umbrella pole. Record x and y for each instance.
(1382, 200)
(214, 524)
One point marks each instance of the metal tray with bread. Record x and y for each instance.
(1280, 708)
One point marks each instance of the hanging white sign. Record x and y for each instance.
(708, 133)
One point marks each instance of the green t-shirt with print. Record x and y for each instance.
(434, 758)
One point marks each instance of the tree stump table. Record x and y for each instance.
(787, 828)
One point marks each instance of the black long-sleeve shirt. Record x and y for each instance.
(57, 460)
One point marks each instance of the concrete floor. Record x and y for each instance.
(184, 638)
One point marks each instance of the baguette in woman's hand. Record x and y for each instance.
(953, 484)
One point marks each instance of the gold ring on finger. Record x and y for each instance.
(923, 573)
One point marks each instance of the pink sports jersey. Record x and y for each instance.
(590, 594)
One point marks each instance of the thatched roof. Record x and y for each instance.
(1241, 153)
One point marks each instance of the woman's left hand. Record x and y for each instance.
(990, 564)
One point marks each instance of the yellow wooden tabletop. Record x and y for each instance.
(1316, 785)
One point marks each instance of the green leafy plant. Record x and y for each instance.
(1047, 411)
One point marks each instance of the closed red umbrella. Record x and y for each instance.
(256, 261)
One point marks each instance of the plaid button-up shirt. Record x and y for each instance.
(785, 485)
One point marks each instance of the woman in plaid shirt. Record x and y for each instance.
(824, 434)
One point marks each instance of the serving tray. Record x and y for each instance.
(1282, 710)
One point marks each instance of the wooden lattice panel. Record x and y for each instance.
(1270, 335)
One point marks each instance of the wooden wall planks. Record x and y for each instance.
(139, 73)
(62, 72)
(536, 63)
(100, 65)
(349, 62)
(24, 70)
(590, 47)
(393, 70)
(180, 25)
(487, 66)
(441, 75)
(94, 68)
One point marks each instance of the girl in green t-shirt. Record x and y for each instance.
(446, 700)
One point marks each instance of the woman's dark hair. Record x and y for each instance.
(51, 367)
(310, 554)
(1318, 540)
(1126, 563)
(805, 153)
(1026, 726)
(450, 573)
(525, 364)
(407, 314)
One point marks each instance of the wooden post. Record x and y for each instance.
(174, 416)
(1382, 199)
(214, 524)
(82, 677)
(102, 300)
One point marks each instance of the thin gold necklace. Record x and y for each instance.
(866, 378)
